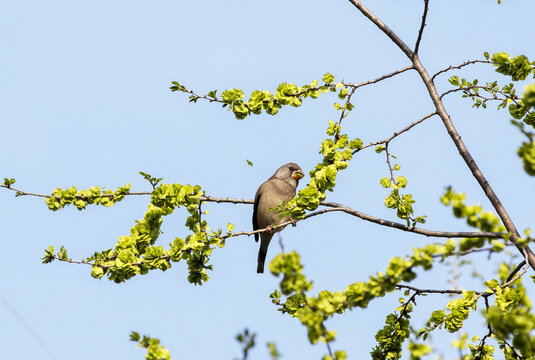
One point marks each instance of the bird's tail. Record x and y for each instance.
(262, 252)
(261, 258)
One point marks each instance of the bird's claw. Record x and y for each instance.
(269, 228)
(294, 223)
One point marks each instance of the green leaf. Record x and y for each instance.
(328, 78)
(8, 182)
(385, 182)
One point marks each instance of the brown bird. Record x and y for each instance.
(278, 188)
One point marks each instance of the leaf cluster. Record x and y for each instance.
(402, 203)
(475, 217)
(81, 198)
(312, 311)
(137, 253)
(287, 94)
(518, 68)
(155, 351)
(337, 153)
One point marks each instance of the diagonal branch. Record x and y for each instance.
(452, 131)
(420, 33)
(470, 162)
(395, 225)
(382, 26)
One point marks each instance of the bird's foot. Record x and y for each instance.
(294, 223)
(269, 228)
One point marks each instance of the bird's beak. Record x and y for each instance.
(298, 174)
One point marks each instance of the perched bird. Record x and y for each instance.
(278, 188)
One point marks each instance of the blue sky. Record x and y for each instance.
(86, 101)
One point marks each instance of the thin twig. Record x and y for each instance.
(390, 165)
(515, 270)
(397, 133)
(510, 281)
(516, 355)
(324, 331)
(433, 291)
(70, 261)
(422, 25)
(469, 62)
(490, 250)
(381, 78)
(484, 294)
(343, 113)
(482, 342)
(406, 305)
(467, 89)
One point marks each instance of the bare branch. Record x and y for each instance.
(420, 33)
(432, 291)
(510, 278)
(460, 66)
(226, 200)
(381, 78)
(391, 34)
(397, 133)
(451, 91)
(429, 233)
(70, 261)
(490, 250)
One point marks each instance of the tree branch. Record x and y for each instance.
(460, 66)
(429, 233)
(484, 294)
(420, 33)
(519, 266)
(381, 78)
(432, 291)
(391, 34)
(397, 133)
(470, 162)
(452, 131)
(490, 250)
(333, 207)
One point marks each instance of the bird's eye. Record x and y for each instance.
(292, 168)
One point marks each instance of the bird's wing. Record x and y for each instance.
(255, 214)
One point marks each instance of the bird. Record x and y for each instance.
(277, 189)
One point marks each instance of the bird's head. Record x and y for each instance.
(290, 172)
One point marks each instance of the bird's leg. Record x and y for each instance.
(269, 228)
(294, 223)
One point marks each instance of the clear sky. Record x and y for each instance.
(86, 101)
